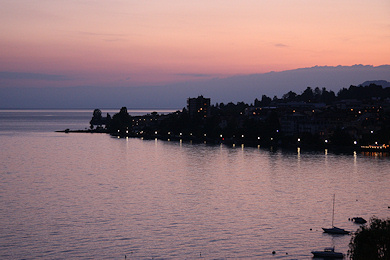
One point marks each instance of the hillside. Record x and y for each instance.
(233, 89)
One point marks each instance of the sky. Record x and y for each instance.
(57, 43)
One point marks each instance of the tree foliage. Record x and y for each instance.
(96, 118)
(371, 242)
(324, 96)
(121, 122)
(364, 92)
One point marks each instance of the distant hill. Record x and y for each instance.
(382, 83)
(232, 89)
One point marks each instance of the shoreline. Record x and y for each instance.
(237, 142)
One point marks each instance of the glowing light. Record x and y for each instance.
(299, 139)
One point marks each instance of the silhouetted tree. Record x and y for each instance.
(307, 95)
(317, 94)
(327, 96)
(290, 96)
(96, 118)
(256, 103)
(121, 122)
(371, 242)
(364, 92)
(265, 101)
(108, 120)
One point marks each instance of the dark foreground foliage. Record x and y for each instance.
(371, 242)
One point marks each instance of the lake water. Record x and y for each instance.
(92, 196)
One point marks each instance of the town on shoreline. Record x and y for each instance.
(356, 118)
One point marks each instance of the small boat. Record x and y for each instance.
(333, 229)
(359, 220)
(328, 253)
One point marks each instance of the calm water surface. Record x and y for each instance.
(92, 196)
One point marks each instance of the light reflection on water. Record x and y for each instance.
(95, 197)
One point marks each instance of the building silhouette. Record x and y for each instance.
(198, 107)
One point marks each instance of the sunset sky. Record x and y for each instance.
(139, 43)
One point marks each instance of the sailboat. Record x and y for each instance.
(333, 229)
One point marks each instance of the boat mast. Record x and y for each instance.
(333, 210)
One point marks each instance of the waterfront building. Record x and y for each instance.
(199, 106)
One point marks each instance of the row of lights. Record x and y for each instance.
(242, 136)
(205, 135)
(326, 141)
(258, 138)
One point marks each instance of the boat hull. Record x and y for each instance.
(325, 254)
(359, 220)
(334, 230)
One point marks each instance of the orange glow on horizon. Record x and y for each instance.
(150, 43)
